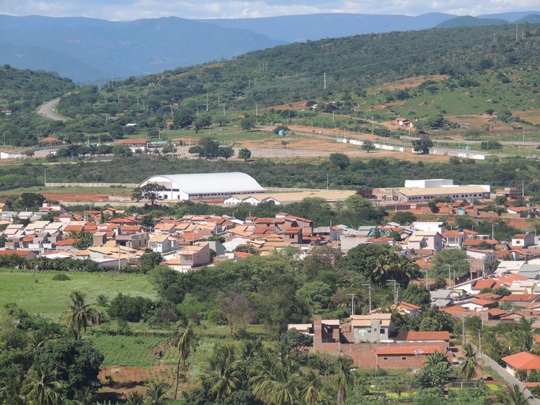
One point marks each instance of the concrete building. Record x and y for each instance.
(205, 186)
(371, 328)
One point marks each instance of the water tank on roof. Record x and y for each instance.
(281, 132)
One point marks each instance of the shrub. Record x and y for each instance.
(61, 277)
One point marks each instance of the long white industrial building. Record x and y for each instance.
(205, 186)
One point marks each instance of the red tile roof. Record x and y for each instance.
(523, 361)
(481, 284)
(519, 298)
(411, 350)
(20, 253)
(134, 141)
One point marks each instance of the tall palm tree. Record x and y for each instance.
(156, 394)
(79, 314)
(222, 371)
(41, 386)
(512, 395)
(312, 393)
(343, 378)
(468, 367)
(185, 341)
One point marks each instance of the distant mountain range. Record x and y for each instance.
(92, 50)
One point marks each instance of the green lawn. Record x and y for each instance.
(48, 297)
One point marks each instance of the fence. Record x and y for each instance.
(465, 154)
(376, 145)
(95, 185)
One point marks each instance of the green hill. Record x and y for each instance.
(468, 21)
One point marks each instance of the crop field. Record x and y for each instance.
(39, 294)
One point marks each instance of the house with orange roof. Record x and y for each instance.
(135, 145)
(454, 239)
(523, 240)
(481, 284)
(479, 304)
(442, 337)
(523, 361)
(520, 299)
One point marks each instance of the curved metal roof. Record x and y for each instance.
(206, 183)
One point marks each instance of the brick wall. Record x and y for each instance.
(363, 354)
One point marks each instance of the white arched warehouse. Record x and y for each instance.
(205, 186)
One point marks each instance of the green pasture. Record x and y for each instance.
(39, 294)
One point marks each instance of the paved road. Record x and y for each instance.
(47, 110)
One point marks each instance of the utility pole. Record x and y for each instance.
(369, 290)
(206, 101)
(352, 303)
(45, 177)
(395, 291)
(327, 181)
(256, 110)
(324, 80)
(425, 271)
(449, 275)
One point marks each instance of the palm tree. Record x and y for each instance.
(312, 393)
(343, 377)
(41, 386)
(250, 350)
(222, 371)
(134, 398)
(79, 314)
(156, 394)
(436, 358)
(468, 367)
(274, 385)
(185, 340)
(11, 392)
(512, 395)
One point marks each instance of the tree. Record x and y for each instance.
(436, 371)
(207, 148)
(183, 119)
(357, 203)
(404, 218)
(226, 152)
(77, 363)
(185, 341)
(248, 123)
(417, 295)
(422, 145)
(203, 121)
(79, 314)
(245, 154)
(340, 160)
(368, 146)
(150, 191)
(468, 367)
(296, 340)
(41, 387)
(312, 392)
(222, 371)
(512, 395)
(273, 384)
(236, 308)
(343, 378)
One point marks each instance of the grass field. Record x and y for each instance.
(49, 298)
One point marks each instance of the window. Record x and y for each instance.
(382, 331)
(385, 358)
(404, 358)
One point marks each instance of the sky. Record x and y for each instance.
(127, 10)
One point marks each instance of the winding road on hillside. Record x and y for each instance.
(47, 110)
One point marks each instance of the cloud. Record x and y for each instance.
(137, 9)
